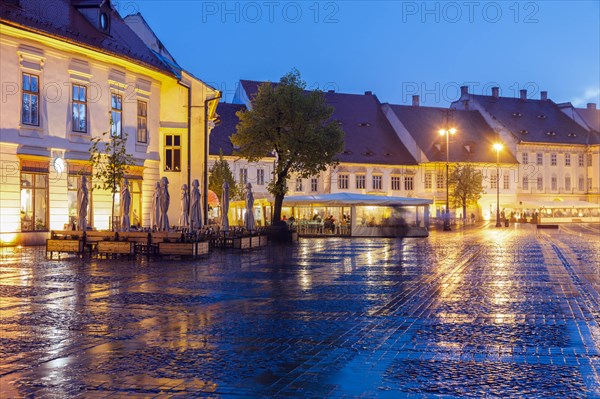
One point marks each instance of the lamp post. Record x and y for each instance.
(498, 147)
(447, 133)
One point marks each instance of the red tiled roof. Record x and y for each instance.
(61, 20)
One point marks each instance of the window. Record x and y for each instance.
(343, 181)
(116, 112)
(494, 181)
(439, 181)
(376, 182)
(525, 158)
(260, 177)
(589, 159)
(299, 185)
(142, 122)
(540, 183)
(581, 183)
(396, 183)
(552, 159)
(580, 159)
(567, 159)
(525, 183)
(79, 108)
(360, 182)
(244, 176)
(173, 152)
(314, 184)
(30, 100)
(554, 183)
(589, 185)
(428, 181)
(506, 182)
(409, 183)
(539, 159)
(568, 183)
(34, 201)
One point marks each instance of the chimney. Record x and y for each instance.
(330, 91)
(416, 101)
(495, 92)
(368, 93)
(523, 94)
(591, 105)
(464, 90)
(543, 95)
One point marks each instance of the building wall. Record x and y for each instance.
(59, 65)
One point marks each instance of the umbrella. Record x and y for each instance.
(82, 201)
(196, 208)
(155, 211)
(164, 202)
(249, 208)
(125, 206)
(225, 206)
(213, 199)
(184, 217)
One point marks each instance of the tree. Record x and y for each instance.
(465, 185)
(110, 161)
(296, 126)
(220, 173)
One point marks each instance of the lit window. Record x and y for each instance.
(581, 185)
(567, 159)
(525, 183)
(34, 201)
(116, 113)
(554, 183)
(409, 183)
(589, 185)
(376, 182)
(343, 182)
(428, 181)
(30, 100)
(79, 108)
(525, 158)
(540, 183)
(173, 152)
(506, 182)
(589, 160)
(439, 181)
(552, 159)
(396, 185)
(299, 185)
(360, 182)
(539, 158)
(243, 176)
(142, 122)
(580, 160)
(494, 180)
(260, 177)
(568, 183)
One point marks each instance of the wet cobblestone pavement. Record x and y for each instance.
(484, 312)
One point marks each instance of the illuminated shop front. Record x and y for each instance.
(358, 215)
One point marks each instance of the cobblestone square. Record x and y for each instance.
(480, 312)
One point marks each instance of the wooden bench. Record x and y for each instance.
(547, 226)
(63, 245)
(115, 248)
(93, 236)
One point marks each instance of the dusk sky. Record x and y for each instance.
(393, 48)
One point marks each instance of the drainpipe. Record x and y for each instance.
(189, 140)
(206, 150)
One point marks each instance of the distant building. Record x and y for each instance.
(67, 68)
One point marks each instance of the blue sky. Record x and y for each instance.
(393, 48)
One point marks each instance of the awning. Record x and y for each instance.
(552, 205)
(342, 199)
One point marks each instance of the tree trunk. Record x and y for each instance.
(277, 208)
(112, 213)
(464, 215)
(280, 189)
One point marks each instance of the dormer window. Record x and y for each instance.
(517, 114)
(524, 131)
(572, 135)
(364, 124)
(551, 134)
(104, 22)
(542, 116)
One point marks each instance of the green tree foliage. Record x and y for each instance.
(110, 161)
(296, 126)
(465, 186)
(220, 173)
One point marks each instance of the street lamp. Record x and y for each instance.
(498, 147)
(447, 133)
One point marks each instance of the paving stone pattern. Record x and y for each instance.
(482, 312)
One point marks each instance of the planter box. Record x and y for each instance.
(69, 246)
(115, 248)
(242, 243)
(183, 248)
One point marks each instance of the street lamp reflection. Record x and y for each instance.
(447, 133)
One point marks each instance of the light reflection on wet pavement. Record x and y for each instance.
(483, 312)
